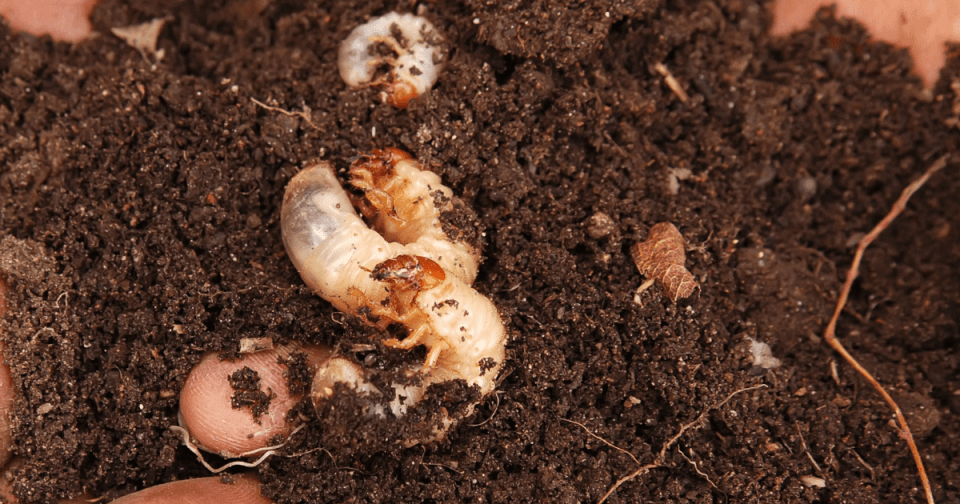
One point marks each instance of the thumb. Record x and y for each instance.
(234, 406)
(233, 489)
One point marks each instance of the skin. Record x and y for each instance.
(7, 391)
(205, 401)
(62, 19)
(920, 25)
(244, 489)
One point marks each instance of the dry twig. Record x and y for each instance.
(830, 333)
(672, 82)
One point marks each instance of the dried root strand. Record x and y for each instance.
(661, 257)
(830, 335)
(661, 459)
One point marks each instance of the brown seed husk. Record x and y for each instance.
(662, 257)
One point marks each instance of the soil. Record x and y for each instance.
(141, 202)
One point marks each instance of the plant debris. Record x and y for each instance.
(143, 37)
(661, 258)
(830, 333)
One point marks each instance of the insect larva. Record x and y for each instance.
(412, 68)
(420, 278)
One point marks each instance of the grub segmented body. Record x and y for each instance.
(406, 269)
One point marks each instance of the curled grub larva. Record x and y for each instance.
(399, 53)
(405, 270)
(661, 258)
(460, 328)
(333, 248)
(404, 202)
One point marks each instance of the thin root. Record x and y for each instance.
(873, 475)
(303, 114)
(604, 441)
(659, 461)
(807, 451)
(830, 333)
(697, 469)
(268, 451)
(496, 408)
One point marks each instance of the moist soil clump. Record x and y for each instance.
(141, 201)
(248, 394)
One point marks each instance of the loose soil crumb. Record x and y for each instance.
(141, 200)
(245, 383)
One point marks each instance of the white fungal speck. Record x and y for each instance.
(762, 356)
(399, 53)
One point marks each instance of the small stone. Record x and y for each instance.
(600, 225)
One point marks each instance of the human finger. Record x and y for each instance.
(7, 392)
(922, 27)
(232, 407)
(66, 20)
(233, 489)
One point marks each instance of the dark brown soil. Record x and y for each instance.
(141, 205)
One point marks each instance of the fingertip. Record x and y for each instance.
(66, 20)
(239, 489)
(7, 390)
(922, 27)
(233, 407)
(792, 15)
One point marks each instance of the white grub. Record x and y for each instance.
(762, 355)
(406, 270)
(333, 248)
(399, 53)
